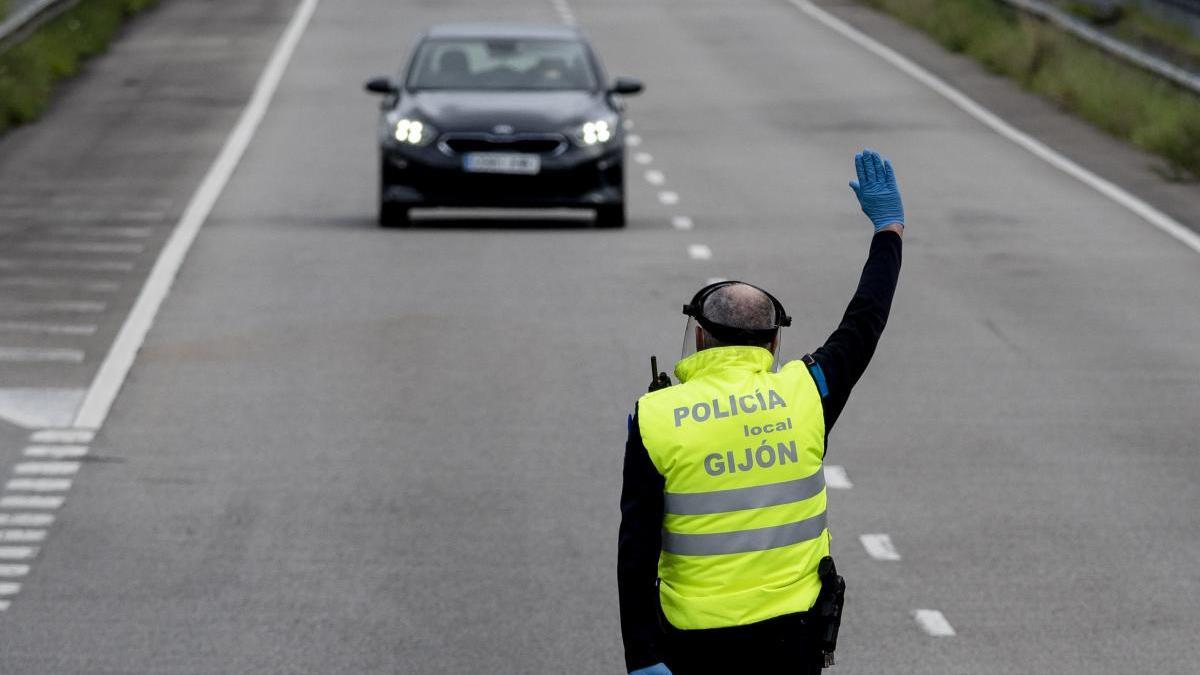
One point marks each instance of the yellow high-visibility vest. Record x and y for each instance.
(741, 449)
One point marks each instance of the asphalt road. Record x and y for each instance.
(344, 449)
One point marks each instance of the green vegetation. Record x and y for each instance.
(1134, 25)
(29, 69)
(1120, 98)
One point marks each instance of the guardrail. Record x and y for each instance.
(1189, 5)
(22, 20)
(1084, 31)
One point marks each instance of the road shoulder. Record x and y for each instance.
(1112, 159)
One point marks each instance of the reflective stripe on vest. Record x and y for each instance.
(744, 541)
(740, 448)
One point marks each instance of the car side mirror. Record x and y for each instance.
(381, 85)
(626, 86)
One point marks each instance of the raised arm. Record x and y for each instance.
(845, 355)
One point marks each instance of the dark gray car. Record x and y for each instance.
(502, 115)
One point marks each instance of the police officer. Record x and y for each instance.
(723, 523)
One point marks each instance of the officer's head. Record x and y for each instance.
(733, 313)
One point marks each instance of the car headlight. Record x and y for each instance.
(596, 132)
(413, 132)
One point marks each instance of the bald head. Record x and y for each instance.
(739, 306)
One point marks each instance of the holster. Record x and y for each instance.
(828, 610)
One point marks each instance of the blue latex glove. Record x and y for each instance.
(656, 669)
(876, 189)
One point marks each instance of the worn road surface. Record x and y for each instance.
(349, 450)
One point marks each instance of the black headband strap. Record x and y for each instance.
(695, 309)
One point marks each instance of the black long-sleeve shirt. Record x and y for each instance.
(842, 359)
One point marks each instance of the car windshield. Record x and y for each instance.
(502, 64)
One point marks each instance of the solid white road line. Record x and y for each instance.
(9, 588)
(668, 198)
(13, 571)
(22, 536)
(879, 546)
(682, 223)
(699, 252)
(38, 485)
(26, 519)
(633, 140)
(655, 177)
(75, 306)
(30, 502)
(56, 451)
(18, 552)
(836, 478)
(83, 247)
(120, 357)
(968, 105)
(46, 328)
(933, 622)
(46, 468)
(63, 436)
(34, 355)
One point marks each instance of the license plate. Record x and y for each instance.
(502, 162)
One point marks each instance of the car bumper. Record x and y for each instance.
(576, 179)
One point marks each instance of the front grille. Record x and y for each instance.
(540, 145)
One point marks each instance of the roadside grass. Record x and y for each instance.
(1135, 25)
(1121, 99)
(56, 50)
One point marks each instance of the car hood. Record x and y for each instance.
(524, 111)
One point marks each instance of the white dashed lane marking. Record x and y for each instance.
(35, 328)
(682, 223)
(49, 283)
(628, 125)
(18, 552)
(56, 451)
(30, 502)
(655, 177)
(116, 232)
(699, 252)
(836, 478)
(72, 306)
(22, 536)
(643, 158)
(38, 485)
(74, 265)
(46, 469)
(84, 247)
(26, 519)
(633, 140)
(668, 198)
(879, 546)
(23, 517)
(62, 436)
(933, 622)
(34, 355)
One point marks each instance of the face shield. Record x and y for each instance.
(702, 333)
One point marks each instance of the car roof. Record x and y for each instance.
(499, 29)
